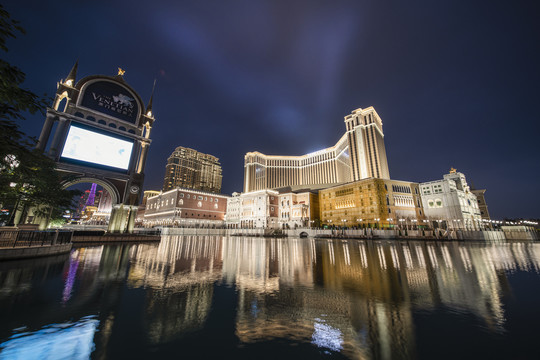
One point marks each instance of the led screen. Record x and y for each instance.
(89, 146)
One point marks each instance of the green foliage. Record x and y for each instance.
(14, 100)
(26, 174)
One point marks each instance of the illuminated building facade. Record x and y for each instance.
(258, 209)
(186, 208)
(189, 169)
(298, 209)
(142, 207)
(450, 202)
(359, 154)
(372, 201)
(482, 205)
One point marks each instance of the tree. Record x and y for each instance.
(27, 176)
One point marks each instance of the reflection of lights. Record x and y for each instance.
(55, 341)
(326, 336)
(70, 279)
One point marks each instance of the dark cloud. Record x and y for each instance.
(456, 83)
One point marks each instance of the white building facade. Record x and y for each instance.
(449, 203)
(298, 209)
(253, 210)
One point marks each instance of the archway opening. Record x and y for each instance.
(94, 206)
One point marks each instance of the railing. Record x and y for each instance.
(25, 238)
(144, 231)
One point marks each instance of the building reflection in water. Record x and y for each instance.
(179, 277)
(354, 296)
(349, 296)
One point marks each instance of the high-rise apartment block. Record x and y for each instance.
(189, 169)
(359, 154)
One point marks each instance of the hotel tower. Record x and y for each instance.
(359, 154)
(190, 169)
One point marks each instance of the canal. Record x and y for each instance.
(255, 298)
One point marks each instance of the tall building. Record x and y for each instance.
(359, 154)
(189, 169)
(366, 144)
(326, 166)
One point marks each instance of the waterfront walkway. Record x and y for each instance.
(21, 244)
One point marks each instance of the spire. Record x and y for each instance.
(149, 106)
(70, 80)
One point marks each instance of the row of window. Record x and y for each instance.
(103, 122)
(199, 197)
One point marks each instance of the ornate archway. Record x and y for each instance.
(102, 136)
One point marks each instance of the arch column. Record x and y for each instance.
(60, 130)
(45, 132)
(142, 158)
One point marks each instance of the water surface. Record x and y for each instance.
(245, 298)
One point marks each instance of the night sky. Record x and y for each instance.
(456, 83)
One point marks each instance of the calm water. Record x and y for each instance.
(251, 298)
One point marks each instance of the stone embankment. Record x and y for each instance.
(479, 235)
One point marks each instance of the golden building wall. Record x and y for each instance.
(371, 201)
